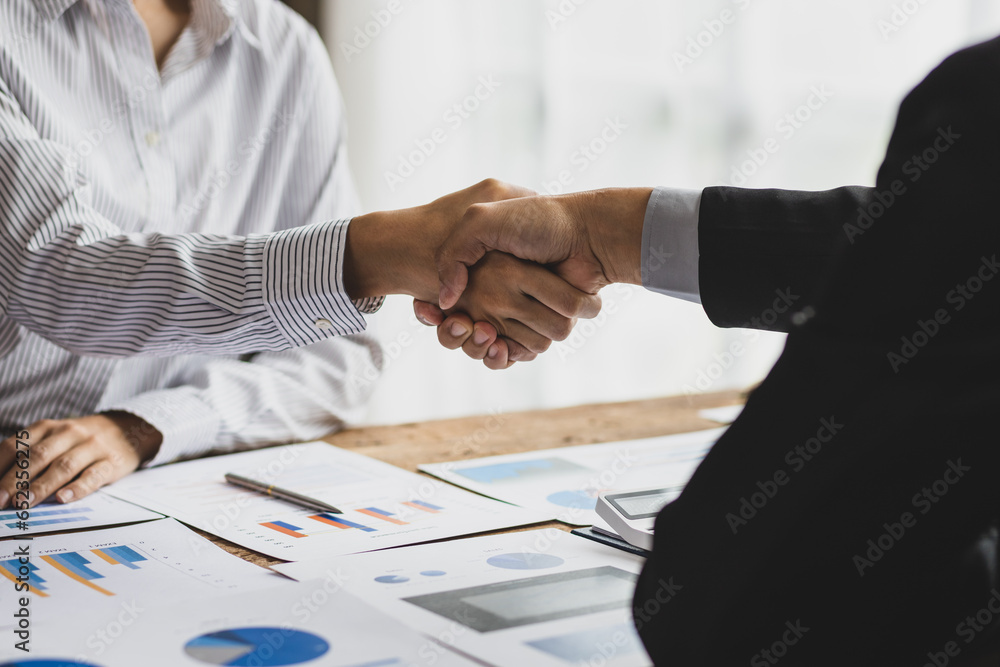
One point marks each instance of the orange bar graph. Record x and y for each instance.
(31, 588)
(73, 575)
(382, 516)
(104, 556)
(282, 529)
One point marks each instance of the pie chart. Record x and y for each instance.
(259, 647)
(46, 662)
(580, 500)
(525, 561)
(391, 579)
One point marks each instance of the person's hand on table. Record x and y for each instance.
(521, 307)
(71, 458)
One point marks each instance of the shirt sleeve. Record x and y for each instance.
(273, 397)
(71, 276)
(670, 243)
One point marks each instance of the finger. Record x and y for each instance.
(428, 313)
(561, 297)
(98, 474)
(542, 320)
(33, 455)
(518, 352)
(455, 330)
(479, 342)
(529, 338)
(496, 356)
(64, 469)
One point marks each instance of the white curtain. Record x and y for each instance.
(577, 94)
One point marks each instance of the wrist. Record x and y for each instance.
(392, 252)
(613, 220)
(143, 436)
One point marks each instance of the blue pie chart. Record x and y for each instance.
(580, 500)
(46, 662)
(525, 561)
(391, 579)
(433, 573)
(260, 647)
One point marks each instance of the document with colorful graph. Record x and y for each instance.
(565, 481)
(312, 624)
(383, 506)
(87, 576)
(96, 510)
(543, 598)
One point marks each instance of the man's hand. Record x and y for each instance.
(524, 303)
(73, 457)
(591, 239)
(393, 252)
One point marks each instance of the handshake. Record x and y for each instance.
(500, 271)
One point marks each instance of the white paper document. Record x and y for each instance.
(312, 624)
(543, 598)
(100, 577)
(96, 510)
(383, 506)
(565, 482)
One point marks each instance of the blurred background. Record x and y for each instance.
(565, 95)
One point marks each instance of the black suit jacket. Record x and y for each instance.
(849, 516)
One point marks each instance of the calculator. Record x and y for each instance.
(632, 513)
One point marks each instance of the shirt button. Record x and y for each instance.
(153, 139)
(324, 324)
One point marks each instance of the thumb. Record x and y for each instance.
(465, 246)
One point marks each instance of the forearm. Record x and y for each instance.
(294, 395)
(765, 253)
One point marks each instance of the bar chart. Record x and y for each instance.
(315, 524)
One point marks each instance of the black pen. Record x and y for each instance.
(281, 494)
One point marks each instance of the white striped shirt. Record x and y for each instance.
(167, 237)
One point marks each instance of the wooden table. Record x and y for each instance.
(407, 445)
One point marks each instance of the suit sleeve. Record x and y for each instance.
(764, 253)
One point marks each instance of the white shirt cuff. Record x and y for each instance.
(303, 284)
(670, 243)
(189, 425)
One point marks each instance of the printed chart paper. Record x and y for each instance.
(309, 624)
(543, 598)
(383, 506)
(566, 481)
(96, 510)
(94, 577)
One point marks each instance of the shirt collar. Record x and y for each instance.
(215, 19)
